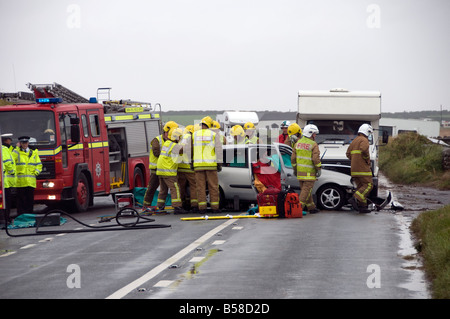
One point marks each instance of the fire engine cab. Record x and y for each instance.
(87, 149)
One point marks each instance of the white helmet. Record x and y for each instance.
(309, 130)
(365, 129)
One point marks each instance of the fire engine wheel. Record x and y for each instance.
(81, 193)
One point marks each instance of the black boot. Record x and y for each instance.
(180, 210)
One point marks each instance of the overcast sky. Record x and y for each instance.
(230, 54)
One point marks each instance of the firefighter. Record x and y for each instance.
(305, 160)
(216, 129)
(155, 150)
(250, 131)
(9, 174)
(186, 175)
(358, 153)
(167, 169)
(284, 134)
(238, 135)
(28, 167)
(295, 133)
(207, 161)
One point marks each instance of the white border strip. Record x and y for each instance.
(158, 269)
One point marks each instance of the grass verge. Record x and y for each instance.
(432, 230)
(411, 158)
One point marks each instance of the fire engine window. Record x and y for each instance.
(95, 126)
(85, 125)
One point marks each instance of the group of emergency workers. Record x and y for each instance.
(307, 165)
(193, 156)
(21, 166)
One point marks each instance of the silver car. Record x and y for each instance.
(236, 180)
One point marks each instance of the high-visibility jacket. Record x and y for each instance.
(252, 140)
(167, 164)
(358, 153)
(204, 155)
(28, 166)
(153, 159)
(306, 158)
(9, 168)
(184, 164)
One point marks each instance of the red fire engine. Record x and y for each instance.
(87, 149)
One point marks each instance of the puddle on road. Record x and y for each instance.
(414, 200)
(416, 283)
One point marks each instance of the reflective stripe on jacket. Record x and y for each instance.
(185, 163)
(153, 159)
(307, 159)
(28, 166)
(9, 168)
(167, 161)
(204, 157)
(358, 153)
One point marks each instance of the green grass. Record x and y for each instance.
(411, 158)
(432, 230)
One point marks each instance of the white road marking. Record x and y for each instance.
(28, 246)
(196, 259)
(166, 264)
(8, 254)
(163, 283)
(218, 242)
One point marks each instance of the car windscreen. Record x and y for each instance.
(336, 131)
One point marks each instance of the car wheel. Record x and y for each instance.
(330, 197)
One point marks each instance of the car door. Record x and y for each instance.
(269, 154)
(290, 179)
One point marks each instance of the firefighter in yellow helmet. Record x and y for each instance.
(28, 167)
(207, 161)
(238, 134)
(167, 170)
(295, 133)
(155, 151)
(216, 129)
(186, 175)
(250, 132)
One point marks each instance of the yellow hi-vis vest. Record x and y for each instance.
(306, 170)
(28, 166)
(153, 160)
(9, 168)
(204, 150)
(167, 162)
(184, 164)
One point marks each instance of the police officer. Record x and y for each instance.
(28, 167)
(9, 174)
(207, 161)
(358, 153)
(167, 169)
(305, 160)
(155, 150)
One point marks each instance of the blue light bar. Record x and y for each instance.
(49, 100)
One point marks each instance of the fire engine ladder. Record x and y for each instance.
(56, 90)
